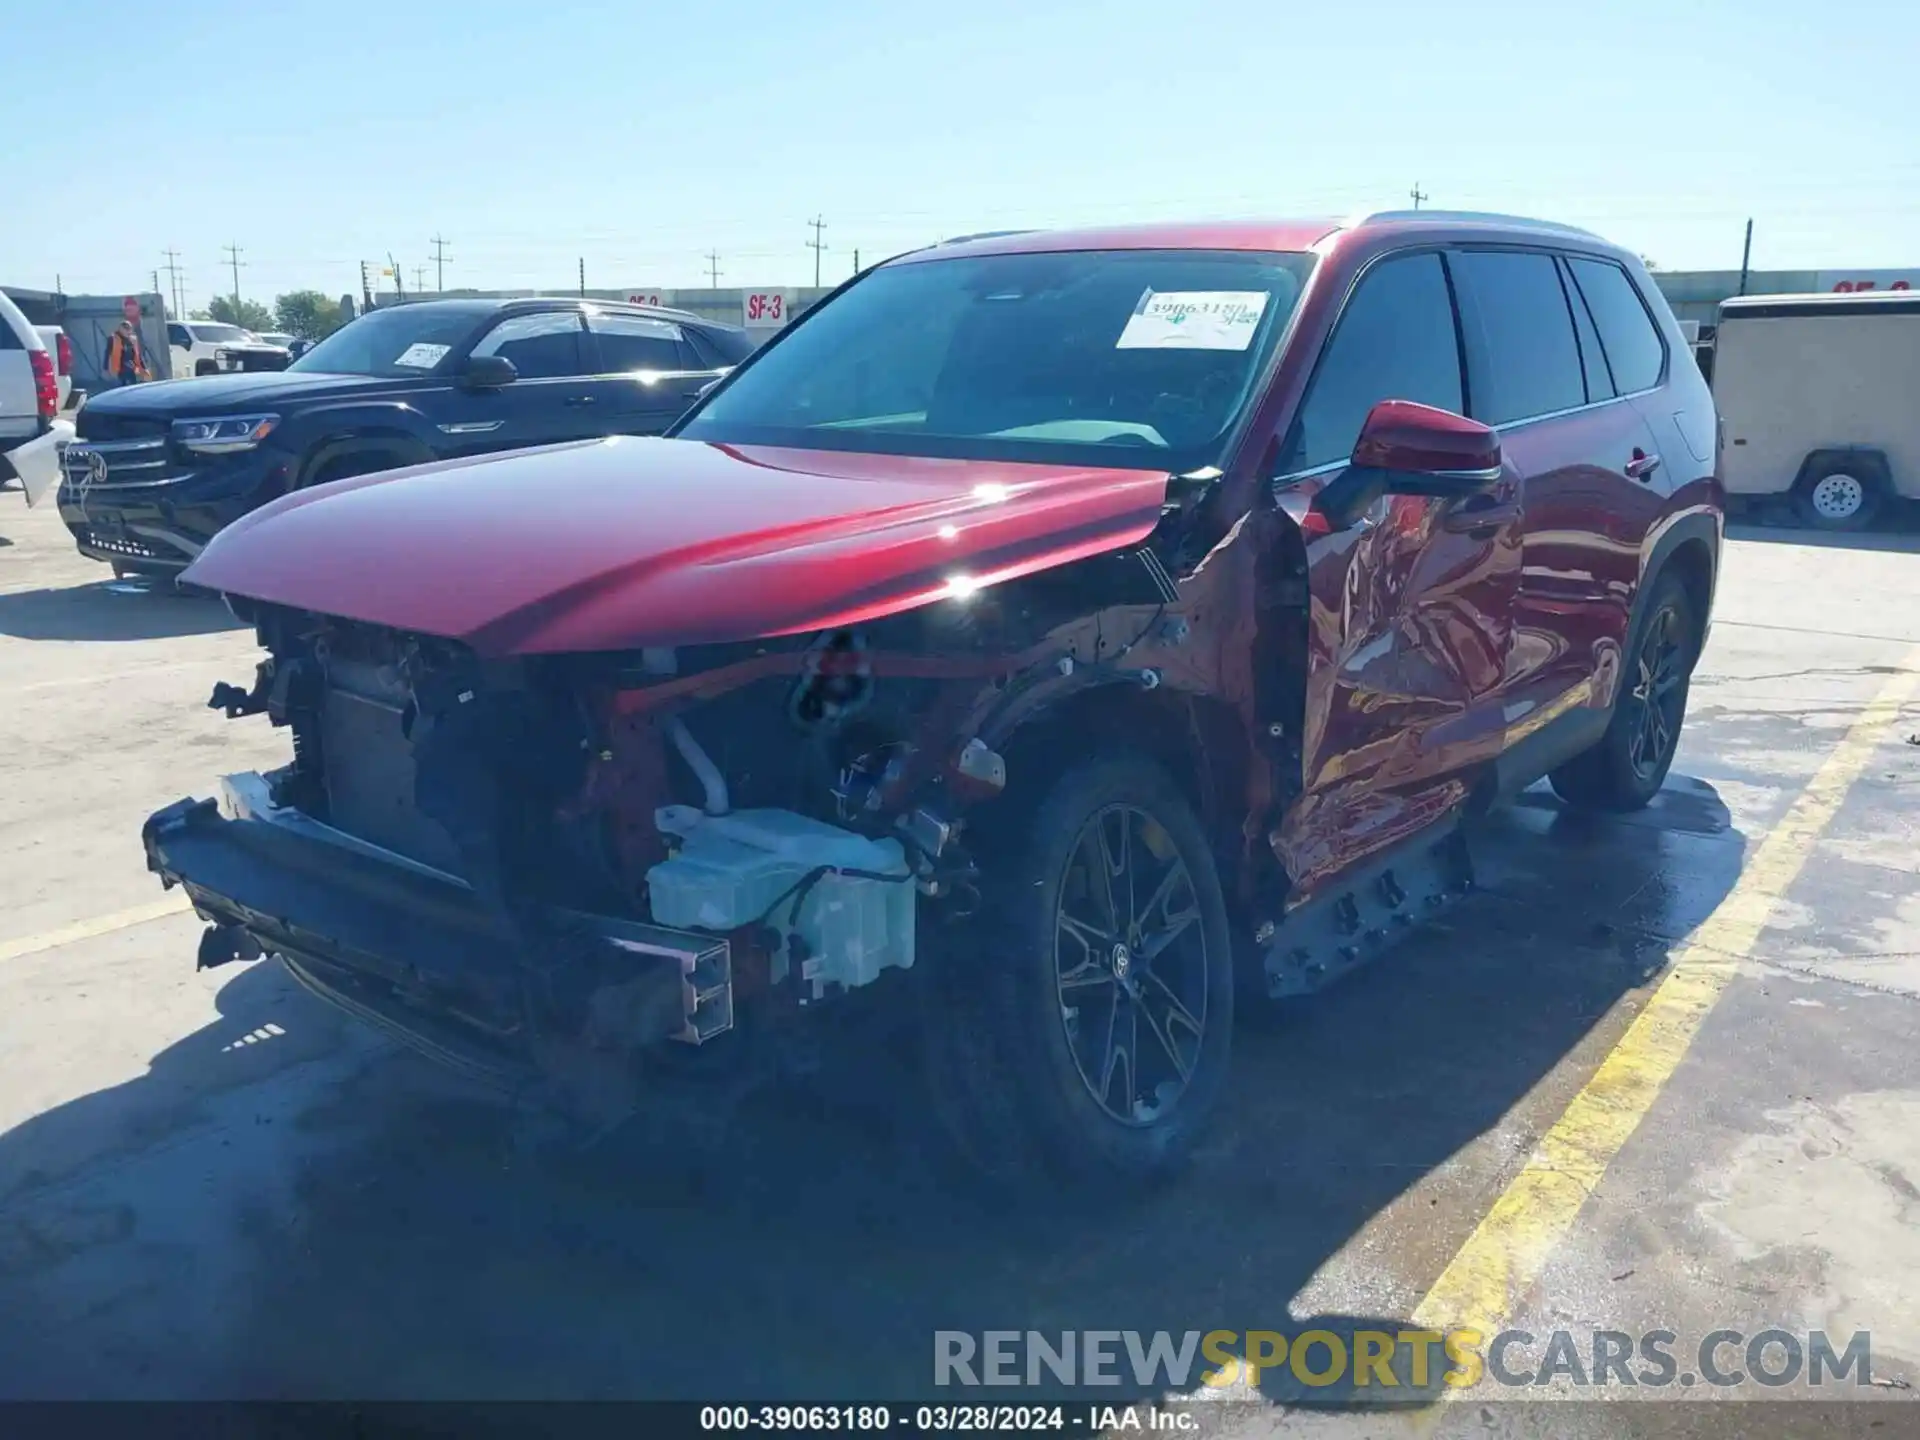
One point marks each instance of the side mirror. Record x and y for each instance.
(1409, 449)
(488, 372)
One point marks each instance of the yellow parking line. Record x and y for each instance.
(1490, 1276)
(100, 925)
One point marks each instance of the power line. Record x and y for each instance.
(439, 263)
(233, 255)
(819, 224)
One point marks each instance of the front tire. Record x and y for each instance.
(1079, 1034)
(1627, 766)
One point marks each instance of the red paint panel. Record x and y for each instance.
(625, 542)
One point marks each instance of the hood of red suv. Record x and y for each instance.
(617, 543)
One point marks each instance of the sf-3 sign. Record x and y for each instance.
(764, 309)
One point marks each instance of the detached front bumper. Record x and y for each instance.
(417, 953)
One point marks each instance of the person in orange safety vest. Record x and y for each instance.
(126, 361)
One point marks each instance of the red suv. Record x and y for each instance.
(1047, 640)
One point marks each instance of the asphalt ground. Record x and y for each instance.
(1659, 1073)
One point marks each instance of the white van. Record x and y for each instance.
(1816, 395)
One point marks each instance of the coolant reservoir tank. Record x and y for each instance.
(753, 866)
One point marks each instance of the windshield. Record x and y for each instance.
(220, 334)
(406, 340)
(1134, 358)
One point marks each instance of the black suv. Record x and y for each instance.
(156, 470)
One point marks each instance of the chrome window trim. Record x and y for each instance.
(1292, 476)
(1506, 425)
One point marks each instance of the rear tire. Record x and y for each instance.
(1072, 1041)
(1839, 498)
(1627, 766)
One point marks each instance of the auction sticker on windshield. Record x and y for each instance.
(1193, 320)
(422, 355)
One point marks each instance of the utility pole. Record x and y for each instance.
(173, 276)
(399, 280)
(439, 263)
(419, 278)
(583, 277)
(1418, 195)
(366, 290)
(1746, 254)
(233, 255)
(856, 262)
(156, 282)
(713, 269)
(819, 224)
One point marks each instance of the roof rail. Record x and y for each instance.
(1492, 217)
(678, 314)
(985, 235)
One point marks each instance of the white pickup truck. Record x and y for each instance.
(61, 349)
(31, 432)
(208, 347)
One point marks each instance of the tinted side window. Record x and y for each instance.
(633, 342)
(1633, 345)
(729, 347)
(1394, 341)
(1524, 358)
(9, 340)
(1593, 359)
(177, 335)
(540, 346)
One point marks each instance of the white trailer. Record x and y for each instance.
(1816, 395)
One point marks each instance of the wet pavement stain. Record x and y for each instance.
(1824, 1207)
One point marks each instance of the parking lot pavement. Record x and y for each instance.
(210, 1186)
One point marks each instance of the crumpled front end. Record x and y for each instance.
(416, 864)
(601, 864)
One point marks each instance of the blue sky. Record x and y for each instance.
(638, 136)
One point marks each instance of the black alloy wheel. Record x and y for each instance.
(1626, 767)
(1130, 963)
(1079, 1030)
(1658, 695)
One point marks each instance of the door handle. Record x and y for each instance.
(1642, 465)
(580, 400)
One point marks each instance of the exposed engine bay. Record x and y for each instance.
(658, 843)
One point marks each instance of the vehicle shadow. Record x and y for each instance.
(389, 1234)
(1896, 529)
(112, 610)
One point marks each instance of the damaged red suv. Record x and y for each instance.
(1049, 640)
